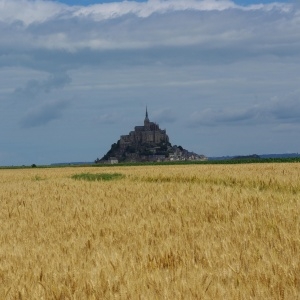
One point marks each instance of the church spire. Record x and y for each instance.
(146, 117)
(146, 121)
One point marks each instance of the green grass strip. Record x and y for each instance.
(98, 177)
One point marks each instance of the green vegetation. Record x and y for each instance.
(207, 162)
(186, 162)
(97, 177)
(253, 160)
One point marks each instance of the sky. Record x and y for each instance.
(221, 76)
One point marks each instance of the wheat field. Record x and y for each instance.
(158, 232)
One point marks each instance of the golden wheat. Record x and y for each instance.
(164, 232)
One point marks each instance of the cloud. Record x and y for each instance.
(285, 110)
(28, 12)
(110, 118)
(44, 113)
(165, 115)
(223, 116)
(133, 25)
(146, 9)
(34, 87)
(286, 128)
(41, 11)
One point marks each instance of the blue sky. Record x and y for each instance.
(222, 77)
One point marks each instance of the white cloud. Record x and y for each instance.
(30, 11)
(133, 25)
(41, 10)
(38, 11)
(114, 10)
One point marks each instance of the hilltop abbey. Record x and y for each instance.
(150, 134)
(146, 143)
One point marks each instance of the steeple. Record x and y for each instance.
(146, 117)
(146, 121)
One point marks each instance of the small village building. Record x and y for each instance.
(113, 160)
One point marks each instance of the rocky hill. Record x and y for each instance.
(147, 153)
(146, 143)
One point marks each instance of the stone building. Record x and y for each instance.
(150, 134)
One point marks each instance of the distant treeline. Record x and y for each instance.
(236, 160)
(284, 155)
(214, 162)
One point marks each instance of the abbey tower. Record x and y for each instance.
(150, 134)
